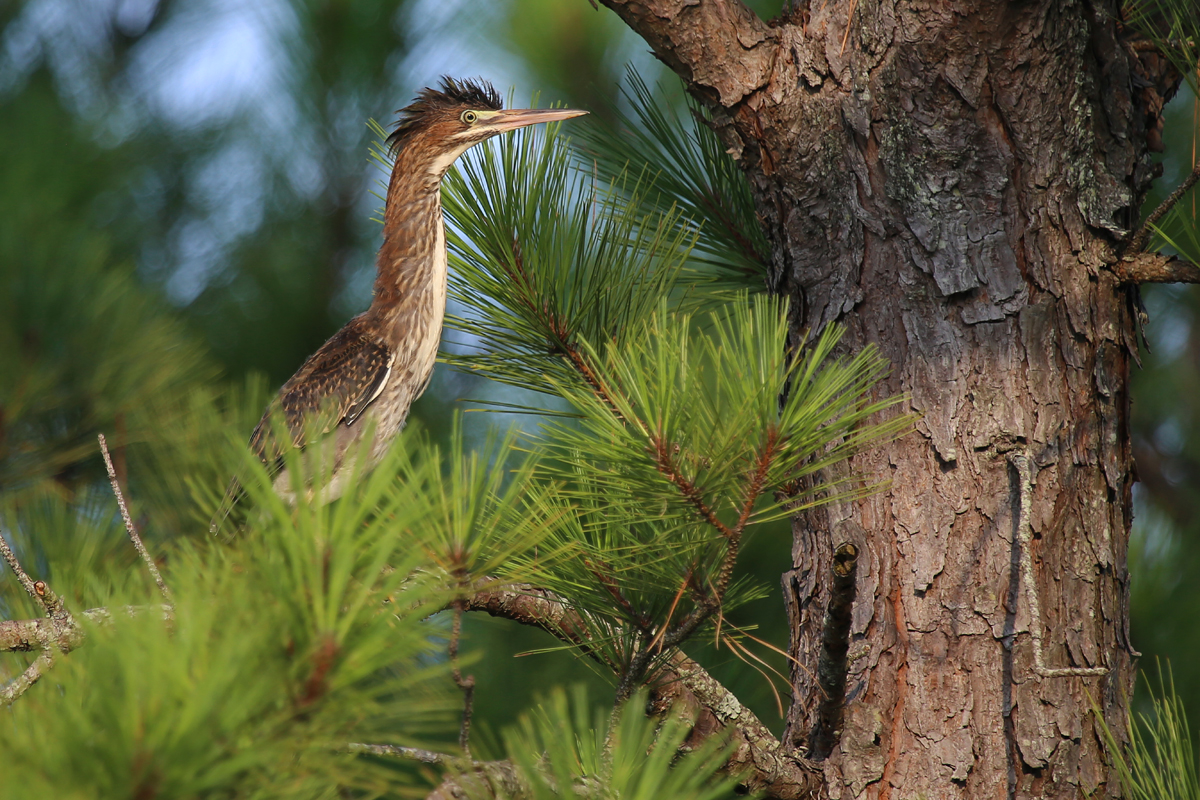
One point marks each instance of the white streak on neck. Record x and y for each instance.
(438, 167)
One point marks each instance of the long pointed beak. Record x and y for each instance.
(515, 118)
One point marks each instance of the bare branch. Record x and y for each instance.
(1138, 241)
(129, 527)
(21, 635)
(719, 46)
(26, 582)
(769, 765)
(406, 753)
(485, 778)
(1156, 268)
(17, 686)
(539, 608)
(467, 684)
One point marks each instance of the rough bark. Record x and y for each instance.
(953, 182)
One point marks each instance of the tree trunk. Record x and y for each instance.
(952, 181)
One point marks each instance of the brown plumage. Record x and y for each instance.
(368, 373)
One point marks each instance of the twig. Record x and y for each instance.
(665, 465)
(394, 751)
(17, 686)
(467, 684)
(835, 642)
(1138, 241)
(754, 490)
(57, 618)
(1156, 268)
(130, 529)
(614, 589)
(24, 635)
(38, 590)
(1020, 462)
(26, 582)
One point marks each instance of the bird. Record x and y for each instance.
(364, 379)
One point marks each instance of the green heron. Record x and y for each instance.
(365, 378)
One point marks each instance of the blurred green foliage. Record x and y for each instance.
(1165, 551)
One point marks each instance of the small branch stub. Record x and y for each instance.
(1156, 268)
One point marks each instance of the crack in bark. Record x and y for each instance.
(835, 643)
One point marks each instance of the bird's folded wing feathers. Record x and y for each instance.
(335, 385)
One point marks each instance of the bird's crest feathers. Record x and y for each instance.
(474, 93)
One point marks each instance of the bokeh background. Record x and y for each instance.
(185, 214)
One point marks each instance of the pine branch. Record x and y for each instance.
(670, 470)
(1138, 241)
(57, 617)
(754, 490)
(1156, 268)
(769, 765)
(406, 753)
(691, 172)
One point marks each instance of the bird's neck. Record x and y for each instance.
(412, 261)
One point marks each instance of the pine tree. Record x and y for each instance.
(679, 408)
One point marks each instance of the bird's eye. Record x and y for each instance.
(469, 117)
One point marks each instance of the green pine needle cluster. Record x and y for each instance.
(566, 749)
(1173, 28)
(1160, 761)
(544, 257)
(689, 169)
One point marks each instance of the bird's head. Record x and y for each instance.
(440, 124)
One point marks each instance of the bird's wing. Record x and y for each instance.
(335, 385)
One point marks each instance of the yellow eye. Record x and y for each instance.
(469, 117)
